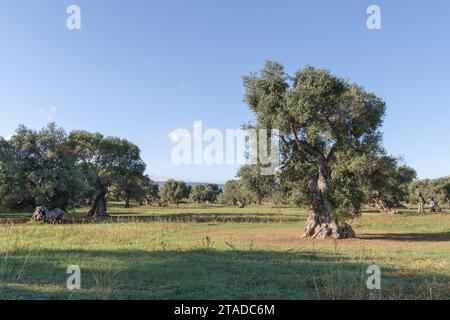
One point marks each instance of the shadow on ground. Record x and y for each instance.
(207, 273)
(409, 237)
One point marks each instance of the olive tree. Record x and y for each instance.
(205, 193)
(388, 183)
(446, 190)
(236, 194)
(259, 185)
(330, 131)
(433, 191)
(37, 168)
(173, 192)
(148, 191)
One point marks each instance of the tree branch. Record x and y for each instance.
(306, 146)
(332, 154)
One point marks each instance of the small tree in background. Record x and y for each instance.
(388, 183)
(151, 192)
(446, 190)
(131, 183)
(258, 185)
(236, 194)
(205, 193)
(173, 192)
(430, 188)
(137, 187)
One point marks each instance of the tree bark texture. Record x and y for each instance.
(322, 223)
(98, 209)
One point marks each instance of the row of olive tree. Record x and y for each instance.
(174, 192)
(58, 170)
(433, 191)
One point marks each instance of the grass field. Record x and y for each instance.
(214, 252)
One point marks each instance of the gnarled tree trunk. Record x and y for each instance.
(422, 202)
(322, 223)
(98, 209)
(385, 205)
(435, 206)
(240, 204)
(43, 214)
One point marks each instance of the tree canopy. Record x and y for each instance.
(257, 185)
(39, 168)
(205, 193)
(173, 192)
(52, 169)
(235, 194)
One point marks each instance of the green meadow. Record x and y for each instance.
(218, 252)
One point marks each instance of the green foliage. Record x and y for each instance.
(235, 193)
(437, 188)
(150, 192)
(205, 193)
(446, 189)
(108, 162)
(173, 192)
(258, 186)
(38, 168)
(136, 187)
(50, 168)
(386, 179)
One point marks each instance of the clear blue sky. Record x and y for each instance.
(140, 69)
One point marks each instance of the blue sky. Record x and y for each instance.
(140, 69)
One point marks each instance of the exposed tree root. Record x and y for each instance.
(316, 229)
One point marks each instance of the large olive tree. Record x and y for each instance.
(329, 129)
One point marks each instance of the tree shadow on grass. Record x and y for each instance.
(207, 273)
(408, 237)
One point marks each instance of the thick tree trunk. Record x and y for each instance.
(43, 214)
(422, 202)
(240, 204)
(435, 206)
(386, 206)
(322, 223)
(98, 209)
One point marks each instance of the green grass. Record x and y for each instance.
(215, 252)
